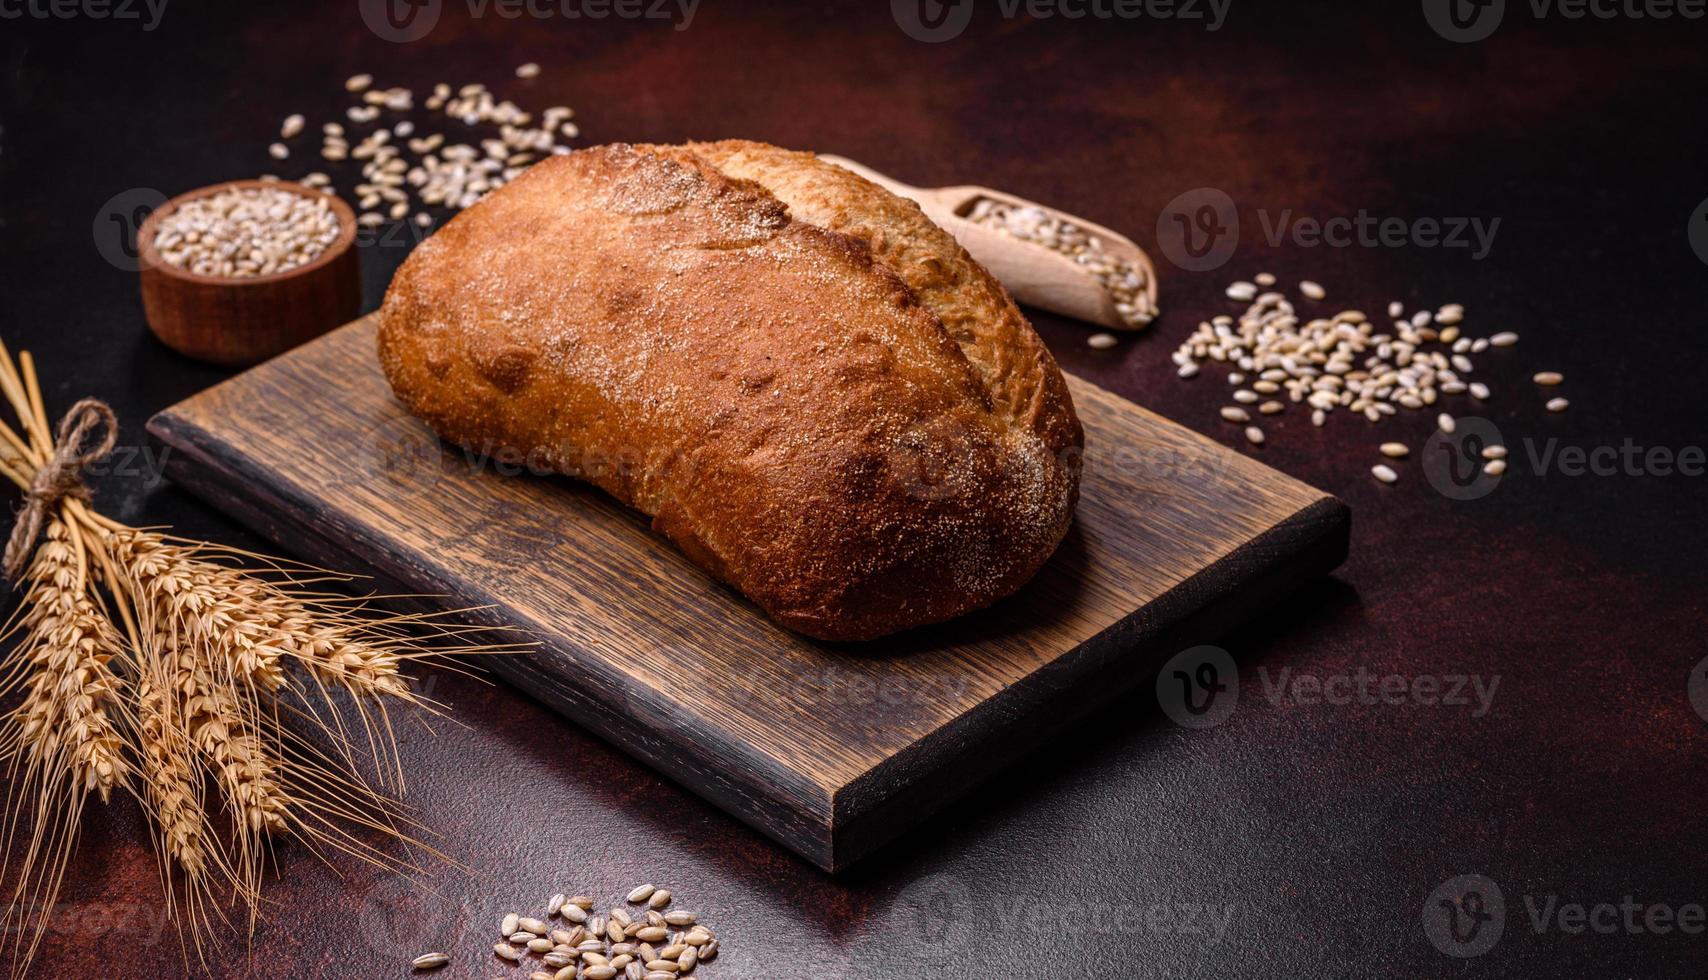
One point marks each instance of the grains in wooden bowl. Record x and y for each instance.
(247, 232)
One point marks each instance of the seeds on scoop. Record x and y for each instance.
(1126, 283)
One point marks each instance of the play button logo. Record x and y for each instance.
(400, 21)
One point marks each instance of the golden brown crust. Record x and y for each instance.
(789, 409)
(1011, 361)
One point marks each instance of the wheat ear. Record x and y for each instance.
(64, 739)
(188, 698)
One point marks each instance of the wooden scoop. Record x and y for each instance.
(1036, 274)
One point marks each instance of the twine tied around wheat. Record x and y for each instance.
(200, 678)
(61, 477)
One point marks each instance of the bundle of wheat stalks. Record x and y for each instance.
(233, 696)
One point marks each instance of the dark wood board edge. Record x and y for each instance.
(834, 832)
(205, 465)
(926, 776)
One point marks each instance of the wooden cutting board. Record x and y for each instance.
(829, 749)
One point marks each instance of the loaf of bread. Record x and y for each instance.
(809, 387)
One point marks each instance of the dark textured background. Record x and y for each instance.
(1322, 828)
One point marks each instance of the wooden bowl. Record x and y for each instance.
(239, 321)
